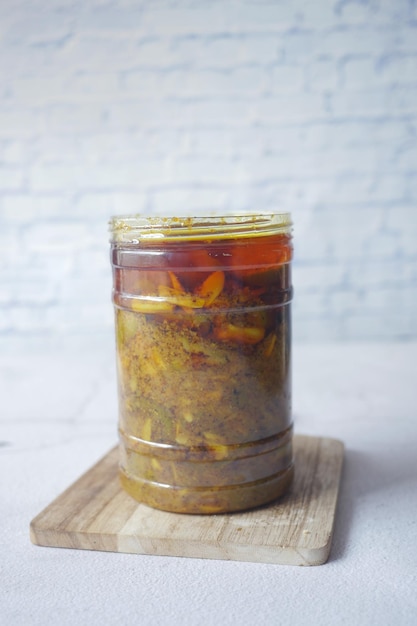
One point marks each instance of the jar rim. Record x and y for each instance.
(140, 228)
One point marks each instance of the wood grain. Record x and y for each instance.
(96, 514)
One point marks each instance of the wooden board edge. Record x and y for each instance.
(218, 552)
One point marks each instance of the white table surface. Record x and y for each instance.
(58, 417)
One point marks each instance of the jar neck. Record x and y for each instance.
(135, 229)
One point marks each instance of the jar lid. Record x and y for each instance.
(138, 228)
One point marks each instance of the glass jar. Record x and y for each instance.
(203, 342)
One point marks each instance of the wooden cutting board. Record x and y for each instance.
(96, 514)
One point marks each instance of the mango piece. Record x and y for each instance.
(218, 450)
(212, 287)
(237, 334)
(150, 305)
(147, 430)
(174, 297)
(156, 464)
(127, 326)
(270, 342)
(175, 282)
(158, 360)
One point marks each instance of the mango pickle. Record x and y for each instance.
(203, 349)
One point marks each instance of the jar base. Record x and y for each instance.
(208, 501)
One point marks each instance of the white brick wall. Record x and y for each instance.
(164, 106)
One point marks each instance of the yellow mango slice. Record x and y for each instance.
(218, 450)
(270, 342)
(150, 305)
(179, 298)
(147, 430)
(156, 464)
(175, 282)
(157, 359)
(237, 334)
(182, 438)
(211, 288)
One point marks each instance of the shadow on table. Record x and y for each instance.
(364, 473)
